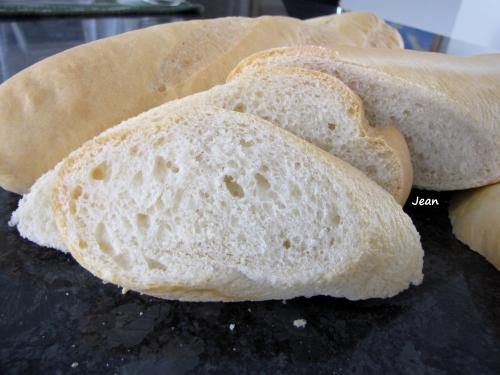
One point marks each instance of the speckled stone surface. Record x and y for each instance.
(56, 318)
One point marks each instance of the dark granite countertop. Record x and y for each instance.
(56, 318)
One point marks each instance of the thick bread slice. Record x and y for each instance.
(447, 107)
(322, 110)
(205, 204)
(475, 218)
(52, 107)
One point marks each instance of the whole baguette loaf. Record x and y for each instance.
(205, 204)
(52, 107)
(447, 107)
(475, 218)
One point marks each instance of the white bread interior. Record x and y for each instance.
(216, 205)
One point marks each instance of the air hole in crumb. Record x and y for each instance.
(142, 221)
(76, 192)
(240, 107)
(133, 150)
(286, 244)
(159, 168)
(154, 264)
(101, 235)
(297, 166)
(392, 118)
(296, 192)
(371, 169)
(245, 143)
(159, 142)
(72, 207)
(100, 172)
(233, 187)
(259, 94)
(82, 244)
(331, 126)
(335, 219)
(406, 112)
(170, 165)
(264, 168)
(262, 183)
(137, 179)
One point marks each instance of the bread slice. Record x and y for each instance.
(475, 218)
(205, 204)
(322, 110)
(447, 107)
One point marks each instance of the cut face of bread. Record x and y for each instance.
(475, 218)
(311, 104)
(322, 110)
(445, 106)
(205, 204)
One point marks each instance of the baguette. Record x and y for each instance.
(54, 106)
(216, 205)
(313, 105)
(475, 218)
(447, 107)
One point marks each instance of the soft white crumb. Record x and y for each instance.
(74, 365)
(299, 323)
(231, 327)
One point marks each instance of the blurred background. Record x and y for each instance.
(33, 29)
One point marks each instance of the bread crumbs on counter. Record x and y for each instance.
(141, 313)
(231, 326)
(299, 323)
(74, 365)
